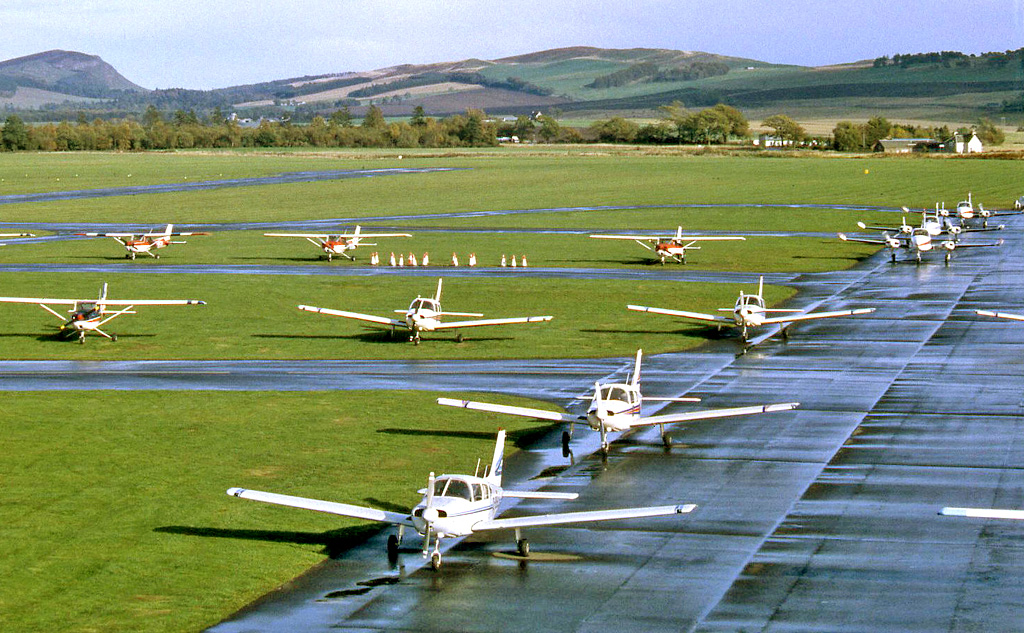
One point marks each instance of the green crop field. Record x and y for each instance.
(114, 515)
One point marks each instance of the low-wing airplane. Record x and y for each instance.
(615, 407)
(1001, 315)
(966, 210)
(89, 315)
(339, 243)
(146, 243)
(461, 505)
(424, 315)
(673, 246)
(919, 241)
(750, 312)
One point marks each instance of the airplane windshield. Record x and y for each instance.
(452, 488)
(615, 393)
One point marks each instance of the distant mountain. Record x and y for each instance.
(64, 73)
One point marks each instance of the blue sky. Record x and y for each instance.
(202, 45)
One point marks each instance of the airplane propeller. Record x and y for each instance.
(429, 514)
(599, 413)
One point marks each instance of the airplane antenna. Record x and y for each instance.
(476, 471)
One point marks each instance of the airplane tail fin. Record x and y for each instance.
(494, 473)
(437, 297)
(760, 287)
(357, 230)
(103, 292)
(169, 229)
(635, 378)
(679, 233)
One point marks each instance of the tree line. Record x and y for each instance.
(650, 72)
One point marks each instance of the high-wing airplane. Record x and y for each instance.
(673, 246)
(424, 315)
(16, 235)
(1001, 315)
(339, 243)
(461, 505)
(145, 243)
(750, 311)
(615, 407)
(89, 315)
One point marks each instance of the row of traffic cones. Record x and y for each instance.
(402, 260)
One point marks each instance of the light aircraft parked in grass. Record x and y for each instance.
(750, 312)
(615, 407)
(145, 243)
(89, 315)
(673, 246)
(16, 235)
(339, 243)
(424, 315)
(460, 505)
(1001, 315)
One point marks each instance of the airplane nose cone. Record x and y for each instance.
(430, 515)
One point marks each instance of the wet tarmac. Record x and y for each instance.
(820, 519)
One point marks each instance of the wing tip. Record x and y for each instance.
(235, 492)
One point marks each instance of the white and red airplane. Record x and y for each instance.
(616, 407)
(89, 315)
(750, 311)
(424, 315)
(673, 246)
(339, 243)
(455, 506)
(146, 243)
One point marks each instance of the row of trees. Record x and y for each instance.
(186, 131)
(852, 137)
(678, 125)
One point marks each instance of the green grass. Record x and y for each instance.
(255, 316)
(115, 516)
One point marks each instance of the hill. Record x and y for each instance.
(65, 74)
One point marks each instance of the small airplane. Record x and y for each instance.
(461, 505)
(673, 246)
(16, 235)
(615, 407)
(146, 243)
(424, 315)
(89, 315)
(339, 243)
(1001, 315)
(750, 311)
(919, 241)
(966, 210)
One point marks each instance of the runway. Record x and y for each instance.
(824, 518)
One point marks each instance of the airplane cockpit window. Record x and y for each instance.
(479, 491)
(615, 393)
(458, 488)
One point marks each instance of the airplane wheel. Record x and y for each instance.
(666, 440)
(156, 257)
(565, 443)
(392, 548)
(524, 547)
(459, 338)
(435, 561)
(416, 341)
(113, 337)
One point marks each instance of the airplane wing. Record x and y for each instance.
(330, 507)
(510, 410)
(483, 322)
(863, 240)
(324, 236)
(984, 513)
(689, 238)
(108, 234)
(713, 318)
(66, 302)
(1001, 315)
(810, 316)
(148, 302)
(715, 413)
(582, 517)
(355, 315)
(978, 245)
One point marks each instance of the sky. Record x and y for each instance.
(220, 43)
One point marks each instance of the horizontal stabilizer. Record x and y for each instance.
(330, 507)
(583, 517)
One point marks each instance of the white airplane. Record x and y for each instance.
(146, 243)
(983, 513)
(615, 407)
(750, 311)
(673, 246)
(1001, 315)
(16, 235)
(89, 315)
(919, 241)
(424, 315)
(460, 505)
(339, 243)
(966, 210)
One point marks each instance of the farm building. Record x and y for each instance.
(958, 144)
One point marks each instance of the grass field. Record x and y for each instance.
(115, 518)
(114, 515)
